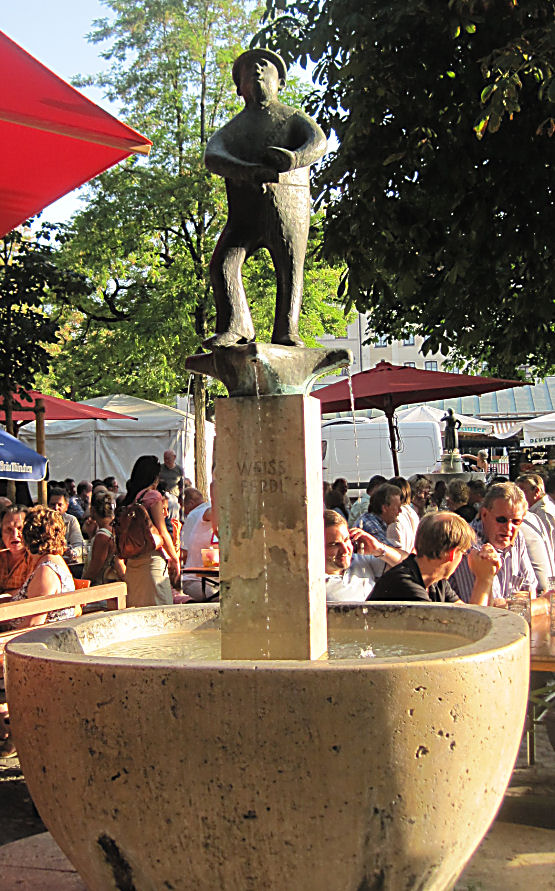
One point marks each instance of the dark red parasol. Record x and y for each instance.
(387, 386)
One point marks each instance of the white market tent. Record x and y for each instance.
(95, 449)
(539, 431)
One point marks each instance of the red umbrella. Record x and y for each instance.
(55, 409)
(34, 406)
(387, 386)
(53, 138)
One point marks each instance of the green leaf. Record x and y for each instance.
(487, 92)
(396, 156)
(481, 126)
(550, 93)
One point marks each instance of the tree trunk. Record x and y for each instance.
(199, 397)
(40, 413)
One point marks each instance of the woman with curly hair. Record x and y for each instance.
(147, 576)
(44, 539)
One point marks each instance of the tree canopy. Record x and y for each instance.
(30, 282)
(440, 195)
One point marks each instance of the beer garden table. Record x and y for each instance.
(208, 574)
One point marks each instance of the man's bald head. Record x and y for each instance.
(191, 499)
(169, 458)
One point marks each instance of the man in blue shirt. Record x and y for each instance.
(384, 508)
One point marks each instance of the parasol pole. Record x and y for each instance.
(40, 411)
(388, 408)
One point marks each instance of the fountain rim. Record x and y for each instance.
(504, 630)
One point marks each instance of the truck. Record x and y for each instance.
(420, 449)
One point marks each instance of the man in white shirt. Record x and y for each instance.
(539, 503)
(200, 537)
(350, 577)
(194, 506)
(540, 550)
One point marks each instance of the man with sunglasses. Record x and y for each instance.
(498, 524)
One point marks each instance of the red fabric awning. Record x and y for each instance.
(56, 409)
(387, 386)
(53, 138)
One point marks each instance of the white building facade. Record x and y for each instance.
(400, 352)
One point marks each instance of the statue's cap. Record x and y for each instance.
(259, 53)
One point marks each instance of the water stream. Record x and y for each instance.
(262, 509)
(352, 401)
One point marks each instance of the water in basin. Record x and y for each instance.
(202, 645)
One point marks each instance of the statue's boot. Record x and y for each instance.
(228, 338)
(288, 338)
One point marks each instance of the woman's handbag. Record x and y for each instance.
(136, 534)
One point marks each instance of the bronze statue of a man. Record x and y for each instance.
(264, 153)
(452, 425)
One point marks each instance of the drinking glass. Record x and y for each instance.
(519, 602)
(210, 557)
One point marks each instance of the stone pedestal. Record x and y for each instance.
(269, 492)
(451, 462)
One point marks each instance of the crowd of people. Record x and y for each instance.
(369, 543)
(460, 543)
(45, 548)
(179, 515)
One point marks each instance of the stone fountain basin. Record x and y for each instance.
(342, 776)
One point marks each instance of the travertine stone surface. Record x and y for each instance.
(282, 775)
(269, 479)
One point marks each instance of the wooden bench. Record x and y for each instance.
(114, 592)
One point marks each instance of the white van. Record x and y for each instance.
(420, 449)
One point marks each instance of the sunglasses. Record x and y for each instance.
(503, 521)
